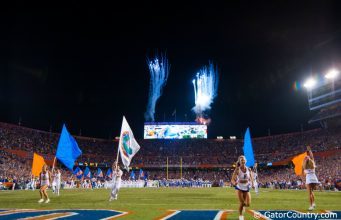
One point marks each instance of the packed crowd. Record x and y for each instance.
(206, 160)
(327, 170)
(192, 152)
(267, 149)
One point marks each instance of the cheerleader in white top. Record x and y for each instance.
(255, 178)
(310, 176)
(242, 179)
(45, 180)
(116, 181)
(56, 181)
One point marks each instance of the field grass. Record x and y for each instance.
(150, 203)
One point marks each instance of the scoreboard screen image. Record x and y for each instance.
(174, 131)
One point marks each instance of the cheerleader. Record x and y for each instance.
(310, 176)
(56, 181)
(45, 180)
(116, 180)
(255, 178)
(54, 184)
(242, 179)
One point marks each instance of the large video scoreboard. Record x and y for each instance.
(174, 130)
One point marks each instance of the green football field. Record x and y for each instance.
(151, 203)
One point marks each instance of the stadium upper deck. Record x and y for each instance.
(153, 153)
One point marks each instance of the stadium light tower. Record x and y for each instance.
(332, 74)
(310, 83)
(323, 93)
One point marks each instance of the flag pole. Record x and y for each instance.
(117, 157)
(118, 148)
(54, 162)
(31, 167)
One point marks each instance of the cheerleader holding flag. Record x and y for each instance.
(305, 165)
(67, 152)
(67, 149)
(250, 159)
(127, 148)
(116, 182)
(56, 181)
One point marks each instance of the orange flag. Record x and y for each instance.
(37, 165)
(298, 162)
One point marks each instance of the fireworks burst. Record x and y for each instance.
(205, 90)
(159, 70)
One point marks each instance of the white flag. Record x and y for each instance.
(128, 145)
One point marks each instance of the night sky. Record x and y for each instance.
(85, 64)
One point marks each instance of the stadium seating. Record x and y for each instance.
(207, 159)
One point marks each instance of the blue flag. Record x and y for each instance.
(109, 173)
(87, 173)
(132, 175)
(78, 172)
(67, 150)
(141, 174)
(99, 173)
(248, 151)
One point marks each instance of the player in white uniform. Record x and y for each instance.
(56, 181)
(45, 180)
(311, 178)
(116, 181)
(242, 179)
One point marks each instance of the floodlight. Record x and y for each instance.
(332, 74)
(310, 83)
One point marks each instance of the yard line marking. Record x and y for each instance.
(51, 216)
(222, 215)
(9, 212)
(169, 214)
(117, 216)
